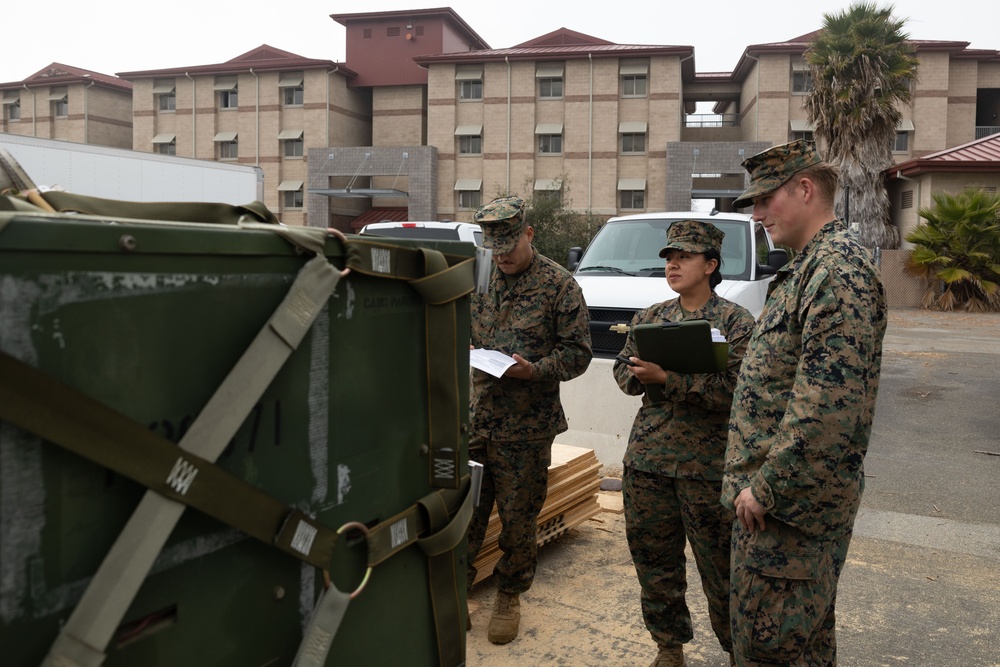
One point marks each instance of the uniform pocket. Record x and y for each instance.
(783, 589)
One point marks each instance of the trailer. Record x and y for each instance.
(129, 175)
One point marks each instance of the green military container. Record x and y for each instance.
(363, 423)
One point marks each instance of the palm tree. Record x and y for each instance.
(862, 68)
(957, 251)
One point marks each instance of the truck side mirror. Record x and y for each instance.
(573, 257)
(776, 259)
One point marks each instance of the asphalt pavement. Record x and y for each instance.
(922, 584)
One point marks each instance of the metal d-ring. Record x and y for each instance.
(368, 573)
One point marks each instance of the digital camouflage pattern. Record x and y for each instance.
(520, 470)
(662, 512)
(542, 317)
(799, 431)
(686, 435)
(693, 236)
(501, 220)
(770, 168)
(672, 478)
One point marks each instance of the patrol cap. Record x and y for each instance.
(501, 220)
(693, 236)
(770, 169)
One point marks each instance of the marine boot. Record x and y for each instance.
(670, 656)
(506, 617)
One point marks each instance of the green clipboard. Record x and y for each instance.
(681, 347)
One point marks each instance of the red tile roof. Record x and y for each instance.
(981, 155)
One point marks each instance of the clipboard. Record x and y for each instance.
(681, 347)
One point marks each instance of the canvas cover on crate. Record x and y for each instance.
(148, 319)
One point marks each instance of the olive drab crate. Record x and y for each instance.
(343, 476)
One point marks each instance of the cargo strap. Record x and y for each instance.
(440, 284)
(67, 202)
(83, 638)
(40, 404)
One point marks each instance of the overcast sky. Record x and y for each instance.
(116, 36)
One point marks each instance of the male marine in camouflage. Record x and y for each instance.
(673, 463)
(802, 417)
(533, 311)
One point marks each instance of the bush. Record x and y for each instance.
(957, 252)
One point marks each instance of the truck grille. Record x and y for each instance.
(607, 343)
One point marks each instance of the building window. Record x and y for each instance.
(469, 193)
(292, 89)
(291, 194)
(11, 106)
(548, 191)
(633, 199)
(164, 90)
(902, 142)
(366, 33)
(470, 83)
(470, 139)
(59, 99)
(550, 89)
(550, 144)
(292, 143)
(471, 145)
(470, 90)
(634, 79)
(550, 80)
(632, 193)
(802, 82)
(165, 144)
(633, 143)
(549, 138)
(228, 92)
(228, 147)
(633, 137)
(470, 199)
(804, 136)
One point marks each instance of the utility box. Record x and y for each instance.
(148, 318)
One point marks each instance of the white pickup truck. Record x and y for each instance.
(621, 272)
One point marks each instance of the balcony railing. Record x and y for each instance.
(712, 120)
(986, 130)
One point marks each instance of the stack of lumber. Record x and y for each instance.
(574, 481)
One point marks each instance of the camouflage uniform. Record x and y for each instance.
(799, 430)
(672, 478)
(542, 316)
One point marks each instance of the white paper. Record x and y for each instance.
(490, 361)
(717, 336)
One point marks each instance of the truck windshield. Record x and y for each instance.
(633, 247)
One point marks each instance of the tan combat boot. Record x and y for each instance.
(671, 656)
(506, 618)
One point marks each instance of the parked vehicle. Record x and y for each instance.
(128, 175)
(434, 231)
(621, 271)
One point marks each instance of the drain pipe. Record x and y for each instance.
(507, 60)
(756, 104)
(590, 139)
(34, 111)
(86, 114)
(256, 113)
(194, 113)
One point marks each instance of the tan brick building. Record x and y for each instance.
(71, 104)
(424, 120)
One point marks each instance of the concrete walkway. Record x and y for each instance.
(922, 583)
